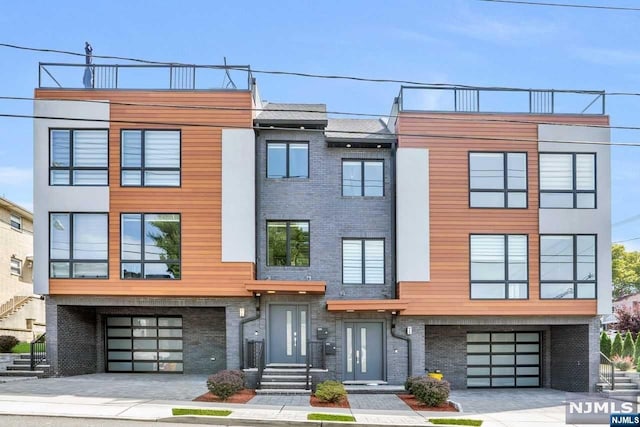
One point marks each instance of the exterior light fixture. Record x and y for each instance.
(302, 292)
(271, 292)
(378, 146)
(241, 312)
(348, 145)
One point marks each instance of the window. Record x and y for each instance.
(150, 246)
(150, 158)
(362, 178)
(568, 180)
(491, 187)
(287, 160)
(16, 266)
(78, 245)
(363, 261)
(78, 157)
(15, 221)
(568, 266)
(288, 243)
(499, 266)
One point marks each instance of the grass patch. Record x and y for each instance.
(455, 421)
(21, 347)
(331, 417)
(209, 412)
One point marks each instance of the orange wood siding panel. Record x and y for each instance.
(452, 221)
(367, 305)
(286, 286)
(198, 200)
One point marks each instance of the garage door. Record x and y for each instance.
(503, 359)
(144, 344)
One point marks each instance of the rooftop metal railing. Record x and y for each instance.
(144, 76)
(468, 99)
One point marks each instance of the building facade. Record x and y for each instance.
(196, 230)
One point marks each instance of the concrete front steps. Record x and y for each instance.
(626, 386)
(284, 379)
(21, 367)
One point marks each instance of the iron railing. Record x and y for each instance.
(468, 99)
(607, 372)
(256, 357)
(315, 359)
(144, 76)
(38, 351)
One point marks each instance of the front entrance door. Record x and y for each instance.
(288, 331)
(364, 349)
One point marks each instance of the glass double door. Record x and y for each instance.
(288, 332)
(364, 348)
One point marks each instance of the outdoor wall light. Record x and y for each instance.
(241, 311)
(409, 330)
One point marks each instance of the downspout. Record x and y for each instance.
(242, 323)
(406, 339)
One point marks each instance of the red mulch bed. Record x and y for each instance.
(242, 396)
(344, 403)
(410, 400)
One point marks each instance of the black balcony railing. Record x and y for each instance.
(607, 372)
(467, 99)
(144, 76)
(38, 351)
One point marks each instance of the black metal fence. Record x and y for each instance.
(315, 359)
(255, 357)
(607, 372)
(38, 351)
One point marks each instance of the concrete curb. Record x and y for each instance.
(225, 421)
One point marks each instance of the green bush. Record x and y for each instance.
(430, 391)
(409, 383)
(616, 346)
(636, 351)
(628, 346)
(330, 391)
(605, 344)
(225, 384)
(7, 342)
(622, 363)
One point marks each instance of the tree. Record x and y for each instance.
(625, 270)
(636, 351)
(616, 346)
(628, 321)
(628, 346)
(605, 344)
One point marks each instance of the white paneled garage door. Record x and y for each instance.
(503, 359)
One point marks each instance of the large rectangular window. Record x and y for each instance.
(568, 266)
(363, 261)
(497, 180)
(78, 245)
(150, 246)
(150, 158)
(78, 157)
(499, 266)
(288, 243)
(363, 178)
(568, 180)
(287, 160)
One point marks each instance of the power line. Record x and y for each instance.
(286, 129)
(627, 240)
(573, 5)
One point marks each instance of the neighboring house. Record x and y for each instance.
(477, 244)
(629, 302)
(22, 313)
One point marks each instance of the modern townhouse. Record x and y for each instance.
(193, 229)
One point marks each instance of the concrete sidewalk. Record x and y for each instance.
(252, 415)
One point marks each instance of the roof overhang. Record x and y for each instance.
(285, 287)
(290, 123)
(379, 305)
(360, 142)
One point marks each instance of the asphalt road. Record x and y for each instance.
(22, 421)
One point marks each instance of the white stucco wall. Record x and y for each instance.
(60, 199)
(412, 214)
(238, 196)
(584, 221)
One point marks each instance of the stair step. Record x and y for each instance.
(285, 365)
(25, 356)
(284, 384)
(284, 378)
(283, 391)
(281, 371)
(626, 386)
(24, 373)
(26, 367)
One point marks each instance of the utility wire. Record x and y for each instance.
(573, 5)
(627, 240)
(288, 129)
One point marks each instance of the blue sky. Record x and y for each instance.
(451, 41)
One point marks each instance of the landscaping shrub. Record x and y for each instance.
(330, 391)
(409, 383)
(628, 346)
(636, 351)
(605, 344)
(7, 342)
(225, 384)
(430, 391)
(622, 363)
(237, 372)
(616, 346)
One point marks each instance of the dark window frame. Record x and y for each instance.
(505, 187)
(288, 243)
(362, 241)
(19, 263)
(506, 280)
(362, 176)
(71, 168)
(142, 260)
(71, 260)
(13, 223)
(575, 280)
(287, 160)
(574, 191)
(142, 169)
